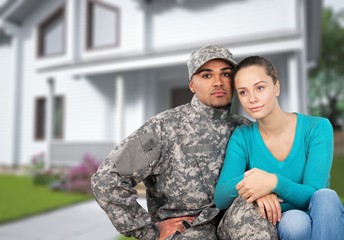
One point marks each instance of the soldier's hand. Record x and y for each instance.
(270, 207)
(172, 225)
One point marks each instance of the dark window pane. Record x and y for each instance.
(40, 118)
(102, 25)
(58, 117)
(51, 35)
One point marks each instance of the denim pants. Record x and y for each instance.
(324, 219)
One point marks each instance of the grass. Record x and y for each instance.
(21, 198)
(337, 179)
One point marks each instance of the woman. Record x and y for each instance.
(281, 162)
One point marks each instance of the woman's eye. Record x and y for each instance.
(260, 88)
(242, 93)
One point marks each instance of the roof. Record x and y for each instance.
(18, 10)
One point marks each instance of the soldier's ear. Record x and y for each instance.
(191, 86)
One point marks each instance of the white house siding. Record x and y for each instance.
(204, 22)
(6, 100)
(87, 104)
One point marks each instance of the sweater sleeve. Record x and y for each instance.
(232, 171)
(319, 153)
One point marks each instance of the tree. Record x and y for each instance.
(327, 78)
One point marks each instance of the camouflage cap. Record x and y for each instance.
(205, 54)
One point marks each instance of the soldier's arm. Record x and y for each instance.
(113, 184)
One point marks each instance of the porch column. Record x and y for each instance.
(50, 120)
(148, 29)
(119, 109)
(294, 87)
(13, 31)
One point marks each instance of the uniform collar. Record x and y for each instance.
(207, 111)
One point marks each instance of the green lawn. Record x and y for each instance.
(21, 198)
(337, 177)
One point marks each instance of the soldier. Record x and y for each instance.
(178, 155)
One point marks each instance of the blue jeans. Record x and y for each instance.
(324, 219)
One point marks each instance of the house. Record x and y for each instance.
(78, 76)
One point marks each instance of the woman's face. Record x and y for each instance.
(256, 91)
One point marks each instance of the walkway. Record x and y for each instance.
(84, 221)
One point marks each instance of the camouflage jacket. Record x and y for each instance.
(178, 155)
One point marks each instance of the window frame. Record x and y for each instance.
(89, 28)
(40, 30)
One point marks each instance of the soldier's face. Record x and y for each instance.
(212, 83)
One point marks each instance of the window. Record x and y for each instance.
(40, 106)
(40, 118)
(58, 117)
(102, 25)
(51, 34)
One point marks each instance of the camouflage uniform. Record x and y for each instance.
(178, 155)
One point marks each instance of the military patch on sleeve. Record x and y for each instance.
(136, 154)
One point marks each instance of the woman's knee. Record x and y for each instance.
(325, 194)
(327, 213)
(294, 224)
(325, 200)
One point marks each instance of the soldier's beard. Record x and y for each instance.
(222, 107)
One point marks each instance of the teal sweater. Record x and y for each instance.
(305, 170)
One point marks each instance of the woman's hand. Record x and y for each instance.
(270, 207)
(256, 184)
(172, 225)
